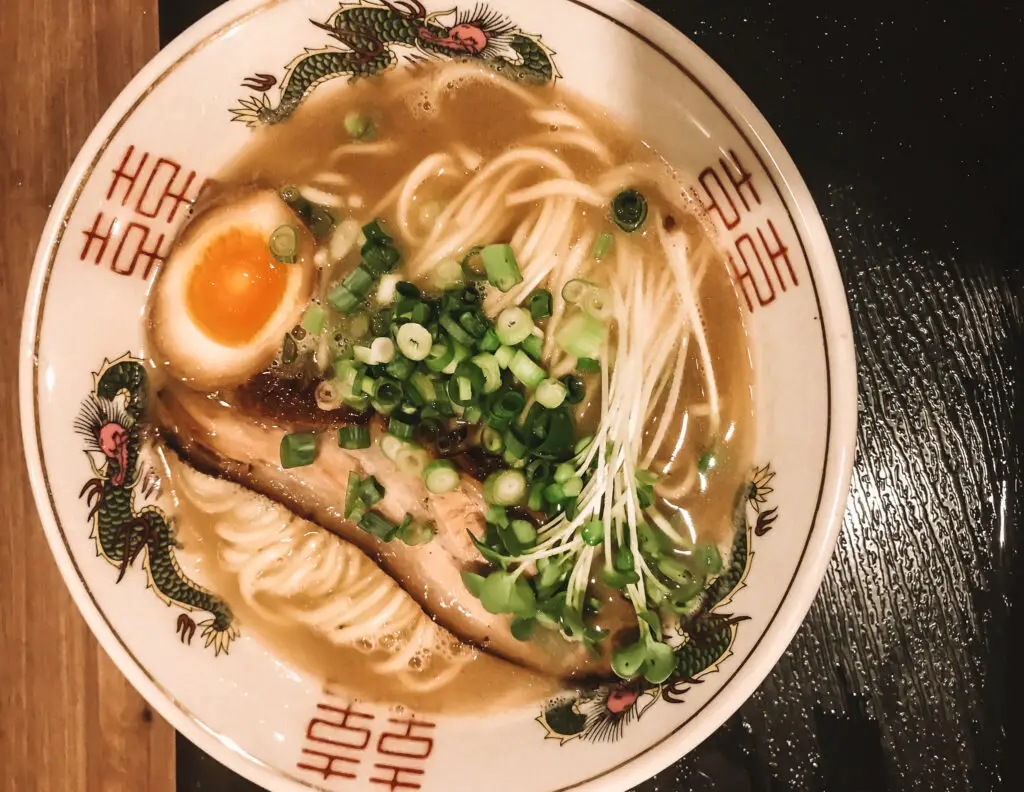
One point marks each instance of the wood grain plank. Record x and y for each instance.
(68, 719)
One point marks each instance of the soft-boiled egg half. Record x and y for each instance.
(224, 301)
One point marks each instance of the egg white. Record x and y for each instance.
(188, 352)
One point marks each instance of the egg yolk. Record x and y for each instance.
(235, 287)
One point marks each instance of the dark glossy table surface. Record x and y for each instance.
(904, 119)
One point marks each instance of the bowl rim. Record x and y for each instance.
(840, 371)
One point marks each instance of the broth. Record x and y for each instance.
(702, 426)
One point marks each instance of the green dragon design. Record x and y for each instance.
(706, 636)
(110, 422)
(372, 31)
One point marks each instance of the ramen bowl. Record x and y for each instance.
(235, 695)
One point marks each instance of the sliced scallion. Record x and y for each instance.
(501, 267)
(440, 476)
(504, 355)
(401, 428)
(382, 351)
(378, 525)
(490, 369)
(574, 290)
(533, 345)
(354, 437)
(629, 210)
(586, 365)
(551, 393)
(491, 440)
(505, 488)
(540, 304)
(343, 300)
(581, 335)
(359, 126)
(526, 371)
(284, 244)
(314, 319)
(298, 449)
(602, 245)
(576, 391)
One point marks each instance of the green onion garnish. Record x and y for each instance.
(602, 245)
(359, 126)
(491, 440)
(317, 218)
(586, 365)
(441, 355)
(629, 210)
(380, 259)
(402, 429)
(284, 244)
(574, 291)
(501, 267)
(298, 449)
(401, 368)
(456, 331)
(551, 393)
(526, 371)
(533, 346)
(504, 355)
(314, 319)
(505, 488)
(582, 336)
(507, 405)
(540, 304)
(515, 449)
(354, 437)
(490, 342)
(440, 476)
(370, 491)
(378, 525)
(576, 391)
(490, 369)
(375, 234)
(344, 301)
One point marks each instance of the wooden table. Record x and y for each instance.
(68, 720)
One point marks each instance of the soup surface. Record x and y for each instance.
(454, 397)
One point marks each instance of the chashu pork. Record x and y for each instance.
(244, 446)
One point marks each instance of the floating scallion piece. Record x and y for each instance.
(582, 335)
(298, 449)
(501, 267)
(284, 244)
(440, 476)
(354, 437)
(540, 304)
(359, 126)
(629, 210)
(602, 245)
(513, 326)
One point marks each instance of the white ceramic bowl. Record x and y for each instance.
(121, 204)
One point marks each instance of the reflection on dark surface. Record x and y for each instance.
(904, 126)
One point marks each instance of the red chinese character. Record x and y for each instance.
(326, 769)
(405, 742)
(742, 179)
(341, 731)
(94, 235)
(122, 173)
(758, 278)
(397, 779)
(135, 237)
(719, 197)
(164, 174)
(780, 252)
